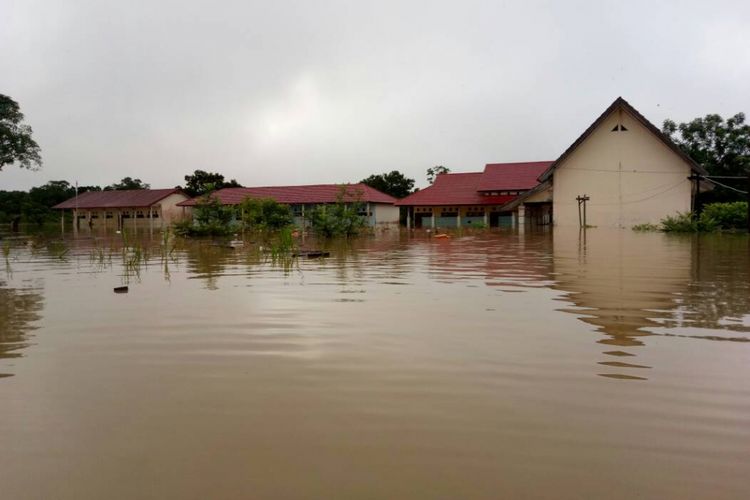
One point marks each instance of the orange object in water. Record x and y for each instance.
(442, 236)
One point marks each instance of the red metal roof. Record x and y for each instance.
(294, 195)
(454, 189)
(512, 176)
(131, 198)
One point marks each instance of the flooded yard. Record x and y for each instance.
(611, 364)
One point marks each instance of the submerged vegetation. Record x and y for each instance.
(210, 218)
(265, 214)
(341, 219)
(345, 218)
(714, 217)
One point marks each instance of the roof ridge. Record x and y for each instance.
(617, 103)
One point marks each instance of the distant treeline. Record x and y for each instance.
(35, 206)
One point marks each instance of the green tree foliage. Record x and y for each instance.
(433, 172)
(35, 206)
(210, 218)
(393, 183)
(264, 214)
(343, 218)
(16, 143)
(127, 183)
(714, 217)
(686, 223)
(720, 146)
(202, 182)
(726, 215)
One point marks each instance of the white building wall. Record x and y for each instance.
(384, 213)
(169, 209)
(631, 177)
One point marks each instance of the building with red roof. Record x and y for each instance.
(378, 207)
(126, 208)
(473, 198)
(622, 171)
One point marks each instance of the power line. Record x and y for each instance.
(728, 187)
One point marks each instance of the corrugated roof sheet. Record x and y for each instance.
(293, 195)
(132, 198)
(454, 189)
(512, 176)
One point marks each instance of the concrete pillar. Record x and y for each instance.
(150, 220)
(408, 217)
(521, 218)
(432, 213)
(62, 220)
(486, 218)
(458, 217)
(134, 218)
(369, 218)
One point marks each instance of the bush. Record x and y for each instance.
(210, 218)
(646, 227)
(726, 215)
(338, 219)
(686, 223)
(265, 214)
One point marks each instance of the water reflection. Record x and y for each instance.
(19, 309)
(631, 286)
(628, 286)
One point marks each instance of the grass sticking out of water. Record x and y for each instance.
(58, 249)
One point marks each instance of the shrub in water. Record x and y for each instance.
(210, 218)
(686, 223)
(726, 215)
(265, 214)
(339, 219)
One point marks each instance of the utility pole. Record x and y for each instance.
(582, 202)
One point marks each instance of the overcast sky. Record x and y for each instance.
(280, 92)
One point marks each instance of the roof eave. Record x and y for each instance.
(622, 103)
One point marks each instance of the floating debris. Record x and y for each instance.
(311, 254)
(121, 289)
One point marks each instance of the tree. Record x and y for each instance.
(265, 214)
(720, 146)
(393, 183)
(210, 218)
(202, 182)
(16, 143)
(433, 172)
(127, 183)
(342, 218)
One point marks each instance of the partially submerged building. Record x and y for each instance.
(625, 171)
(144, 208)
(377, 207)
(620, 172)
(474, 198)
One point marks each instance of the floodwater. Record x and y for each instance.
(557, 365)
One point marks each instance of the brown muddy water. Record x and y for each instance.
(607, 365)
